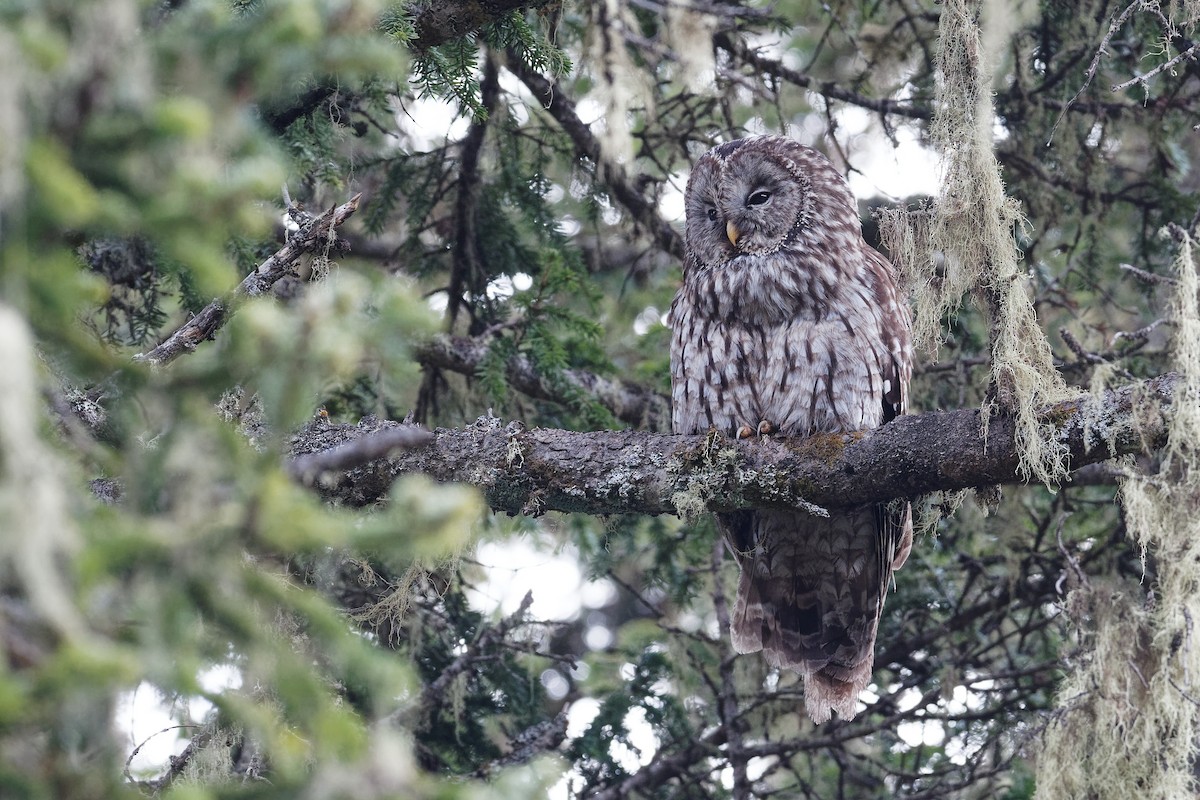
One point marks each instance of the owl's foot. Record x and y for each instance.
(764, 429)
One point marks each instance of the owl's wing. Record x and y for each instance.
(895, 325)
(895, 519)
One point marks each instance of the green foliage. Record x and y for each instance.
(594, 754)
(155, 176)
(447, 70)
(455, 736)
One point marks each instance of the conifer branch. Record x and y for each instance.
(441, 21)
(614, 472)
(737, 47)
(613, 176)
(629, 402)
(317, 236)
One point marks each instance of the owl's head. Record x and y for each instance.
(758, 195)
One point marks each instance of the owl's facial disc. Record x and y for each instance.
(759, 201)
(741, 204)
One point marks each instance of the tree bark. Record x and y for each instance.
(524, 471)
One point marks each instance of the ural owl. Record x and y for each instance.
(788, 322)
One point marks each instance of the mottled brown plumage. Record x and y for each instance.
(787, 317)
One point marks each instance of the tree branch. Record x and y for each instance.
(319, 235)
(628, 402)
(612, 175)
(735, 46)
(613, 472)
(443, 20)
(434, 695)
(352, 453)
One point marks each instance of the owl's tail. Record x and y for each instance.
(810, 595)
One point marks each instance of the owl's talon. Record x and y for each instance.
(744, 432)
(765, 428)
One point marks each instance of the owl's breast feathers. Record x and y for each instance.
(807, 353)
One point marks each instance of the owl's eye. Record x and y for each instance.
(758, 198)
(712, 214)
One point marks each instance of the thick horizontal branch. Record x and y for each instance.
(354, 452)
(628, 402)
(317, 235)
(611, 472)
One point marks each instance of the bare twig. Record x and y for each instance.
(1138, 337)
(1148, 277)
(1142, 79)
(177, 763)
(1084, 355)
(629, 402)
(1101, 51)
(736, 47)
(307, 468)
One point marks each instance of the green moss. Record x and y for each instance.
(1060, 414)
(828, 447)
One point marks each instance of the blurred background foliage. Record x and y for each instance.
(522, 167)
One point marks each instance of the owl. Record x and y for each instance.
(789, 323)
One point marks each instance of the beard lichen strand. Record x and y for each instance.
(1128, 717)
(971, 229)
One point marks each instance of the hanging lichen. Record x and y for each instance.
(620, 87)
(966, 242)
(37, 533)
(689, 33)
(1127, 724)
(1184, 13)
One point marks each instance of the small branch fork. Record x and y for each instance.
(317, 236)
(1101, 51)
(1187, 54)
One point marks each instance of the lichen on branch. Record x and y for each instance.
(967, 242)
(616, 472)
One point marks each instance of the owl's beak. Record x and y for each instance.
(732, 232)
